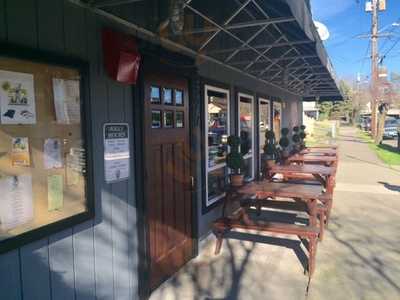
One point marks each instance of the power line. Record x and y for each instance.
(394, 27)
(390, 49)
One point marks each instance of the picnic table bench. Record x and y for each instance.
(265, 194)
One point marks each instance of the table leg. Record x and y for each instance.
(312, 211)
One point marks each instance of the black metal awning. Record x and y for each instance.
(274, 41)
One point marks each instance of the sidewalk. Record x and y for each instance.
(359, 258)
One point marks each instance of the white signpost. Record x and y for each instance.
(116, 152)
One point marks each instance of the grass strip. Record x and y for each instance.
(386, 153)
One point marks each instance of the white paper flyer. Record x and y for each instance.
(52, 154)
(16, 206)
(17, 97)
(67, 101)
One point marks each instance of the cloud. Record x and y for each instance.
(326, 9)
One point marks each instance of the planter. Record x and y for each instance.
(270, 163)
(285, 154)
(237, 179)
(297, 148)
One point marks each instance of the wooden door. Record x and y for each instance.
(167, 174)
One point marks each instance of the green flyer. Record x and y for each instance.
(55, 192)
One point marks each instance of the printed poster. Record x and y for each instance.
(52, 154)
(17, 97)
(16, 205)
(116, 152)
(67, 101)
(55, 192)
(20, 152)
(76, 164)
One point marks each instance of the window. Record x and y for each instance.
(167, 95)
(178, 97)
(155, 119)
(246, 134)
(264, 123)
(179, 119)
(155, 96)
(168, 119)
(43, 170)
(217, 132)
(277, 106)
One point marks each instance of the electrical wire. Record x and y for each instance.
(390, 32)
(390, 49)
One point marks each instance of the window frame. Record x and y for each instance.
(207, 88)
(280, 105)
(13, 51)
(247, 156)
(262, 100)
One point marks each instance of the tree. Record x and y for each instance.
(339, 109)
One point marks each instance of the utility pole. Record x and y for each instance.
(374, 66)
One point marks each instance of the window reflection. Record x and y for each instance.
(264, 122)
(246, 119)
(167, 94)
(217, 180)
(217, 130)
(277, 120)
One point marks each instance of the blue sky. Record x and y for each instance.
(346, 19)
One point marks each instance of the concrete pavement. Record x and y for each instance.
(359, 258)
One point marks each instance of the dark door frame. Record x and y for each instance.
(158, 59)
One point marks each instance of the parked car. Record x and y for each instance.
(365, 124)
(390, 130)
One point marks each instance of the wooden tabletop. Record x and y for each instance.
(327, 152)
(286, 190)
(312, 158)
(304, 169)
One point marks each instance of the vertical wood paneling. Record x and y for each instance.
(10, 285)
(119, 205)
(61, 260)
(50, 25)
(22, 22)
(84, 262)
(75, 30)
(35, 271)
(83, 239)
(3, 26)
(103, 205)
(131, 188)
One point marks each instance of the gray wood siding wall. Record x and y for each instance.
(96, 259)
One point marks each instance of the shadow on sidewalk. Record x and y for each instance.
(391, 187)
(372, 163)
(389, 148)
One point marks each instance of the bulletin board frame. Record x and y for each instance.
(13, 51)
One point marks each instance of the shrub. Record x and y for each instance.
(234, 160)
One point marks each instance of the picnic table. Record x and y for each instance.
(320, 151)
(269, 194)
(315, 159)
(325, 175)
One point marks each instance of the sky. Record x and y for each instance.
(345, 20)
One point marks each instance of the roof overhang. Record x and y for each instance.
(273, 41)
